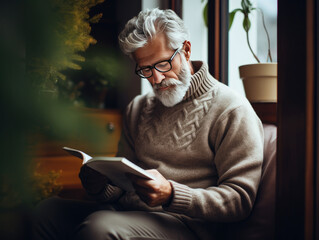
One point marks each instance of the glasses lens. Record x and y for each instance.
(145, 72)
(163, 66)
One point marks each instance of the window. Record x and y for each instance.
(239, 53)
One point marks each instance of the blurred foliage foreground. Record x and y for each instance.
(30, 43)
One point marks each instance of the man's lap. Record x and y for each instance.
(58, 218)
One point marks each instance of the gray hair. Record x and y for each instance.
(140, 29)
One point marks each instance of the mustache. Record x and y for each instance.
(167, 83)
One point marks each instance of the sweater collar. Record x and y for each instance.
(201, 81)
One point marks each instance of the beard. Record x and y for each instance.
(174, 95)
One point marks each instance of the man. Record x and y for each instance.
(201, 141)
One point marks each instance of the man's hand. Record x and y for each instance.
(153, 192)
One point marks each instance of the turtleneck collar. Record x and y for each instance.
(201, 81)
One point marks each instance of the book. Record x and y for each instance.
(114, 168)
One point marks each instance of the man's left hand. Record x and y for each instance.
(153, 192)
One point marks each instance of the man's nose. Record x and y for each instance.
(158, 77)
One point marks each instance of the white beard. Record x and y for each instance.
(174, 95)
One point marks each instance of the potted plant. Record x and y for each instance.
(260, 79)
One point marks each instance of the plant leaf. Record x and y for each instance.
(231, 17)
(205, 14)
(246, 5)
(96, 18)
(77, 57)
(246, 23)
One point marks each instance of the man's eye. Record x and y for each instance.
(146, 70)
(162, 65)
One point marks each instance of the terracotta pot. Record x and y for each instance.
(260, 81)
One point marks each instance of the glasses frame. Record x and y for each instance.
(137, 71)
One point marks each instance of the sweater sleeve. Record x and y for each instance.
(237, 141)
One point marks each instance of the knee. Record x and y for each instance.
(59, 217)
(102, 225)
(46, 214)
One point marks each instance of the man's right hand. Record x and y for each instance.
(93, 181)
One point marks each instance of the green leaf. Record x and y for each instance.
(246, 23)
(77, 57)
(61, 76)
(205, 14)
(246, 5)
(231, 17)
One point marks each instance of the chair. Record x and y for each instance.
(261, 222)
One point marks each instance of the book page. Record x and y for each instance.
(77, 153)
(116, 168)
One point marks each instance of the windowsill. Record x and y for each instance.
(267, 112)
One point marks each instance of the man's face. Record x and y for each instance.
(169, 87)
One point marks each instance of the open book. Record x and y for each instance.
(113, 168)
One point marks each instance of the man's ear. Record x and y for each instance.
(187, 49)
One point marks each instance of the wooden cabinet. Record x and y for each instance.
(50, 155)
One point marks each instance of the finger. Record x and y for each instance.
(144, 198)
(150, 199)
(143, 189)
(142, 182)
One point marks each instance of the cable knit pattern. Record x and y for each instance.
(146, 117)
(183, 123)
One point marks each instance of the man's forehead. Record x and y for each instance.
(155, 50)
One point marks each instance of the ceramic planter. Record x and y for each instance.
(260, 81)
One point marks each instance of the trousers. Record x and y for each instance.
(61, 219)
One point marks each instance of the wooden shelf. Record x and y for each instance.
(49, 155)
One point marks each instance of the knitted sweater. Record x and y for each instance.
(209, 146)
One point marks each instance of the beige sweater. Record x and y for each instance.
(210, 146)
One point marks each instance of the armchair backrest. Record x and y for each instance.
(261, 222)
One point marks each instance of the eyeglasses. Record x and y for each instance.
(162, 66)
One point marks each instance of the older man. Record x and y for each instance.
(201, 140)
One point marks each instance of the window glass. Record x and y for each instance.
(193, 18)
(239, 53)
(269, 9)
